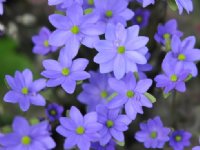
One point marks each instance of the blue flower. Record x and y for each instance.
(167, 31)
(141, 17)
(96, 92)
(65, 72)
(26, 137)
(184, 53)
(41, 42)
(180, 139)
(79, 130)
(173, 78)
(114, 124)
(121, 51)
(64, 4)
(113, 11)
(54, 111)
(130, 93)
(153, 134)
(24, 90)
(75, 29)
(110, 146)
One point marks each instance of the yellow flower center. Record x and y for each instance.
(75, 29)
(109, 123)
(104, 94)
(91, 2)
(181, 57)
(80, 130)
(46, 43)
(139, 19)
(178, 138)
(173, 78)
(26, 140)
(153, 135)
(109, 13)
(130, 94)
(121, 49)
(24, 90)
(65, 71)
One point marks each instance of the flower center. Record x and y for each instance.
(139, 19)
(153, 135)
(109, 13)
(181, 57)
(46, 43)
(166, 36)
(173, 78)
(53, 112)
(65, 71)
(130, 94)
(109, 123)
(80, 130)
(121, 49)
(26, 140)
(75, 29)
(88, 11)
(178, 138)
(91, 2)
(24, 90)
(104, 94)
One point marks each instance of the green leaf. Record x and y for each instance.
(120, 143)
(150, 97)
(188, 78)
(172, 5)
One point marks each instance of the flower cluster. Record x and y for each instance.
(154, 135)
(117, 92)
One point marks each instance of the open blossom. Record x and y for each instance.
(167, 31)
(65, 72)
(153, 134)
(184, 4)
(114, 124)
(24, 90)
(1, 6)
(97, 91)
(121, 51)
(110, 146)
(184, 53)
(29, 137)
(41, 42)
(180, 139)
(173, 78)
(75, 29)
(146, 3)
(64, 4)
(130, 93)
(79, 130)
(113, 11)
(141, 17)
(54, 111)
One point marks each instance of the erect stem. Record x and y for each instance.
(173, 109)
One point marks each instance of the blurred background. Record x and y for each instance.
(23, 18)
